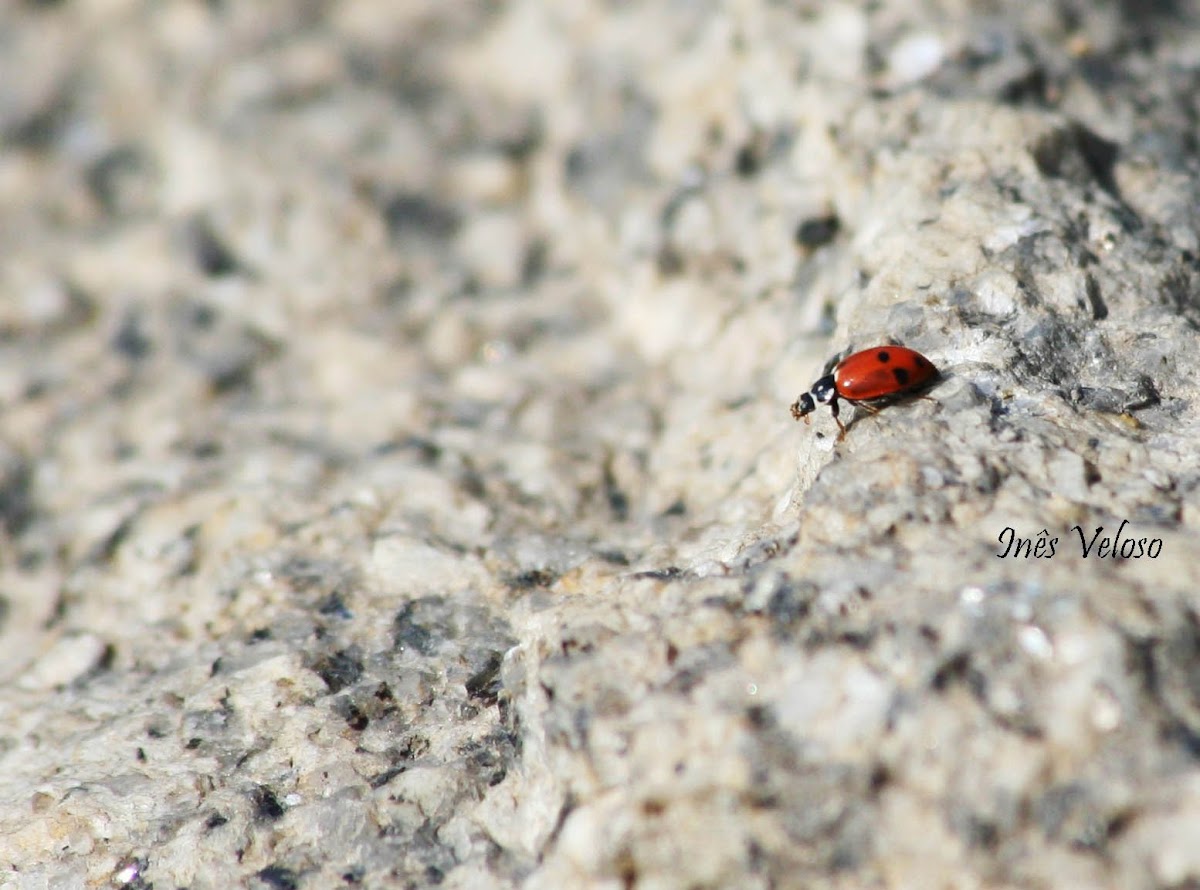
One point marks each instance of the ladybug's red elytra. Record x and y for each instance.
(880, 372)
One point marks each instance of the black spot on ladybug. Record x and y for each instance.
(883, 356)
(901, 376)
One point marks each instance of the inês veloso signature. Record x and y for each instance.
(1042, 546)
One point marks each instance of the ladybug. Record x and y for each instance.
(878, 373)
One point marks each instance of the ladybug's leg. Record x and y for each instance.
(833, 407)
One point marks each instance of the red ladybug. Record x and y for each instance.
(880, 372)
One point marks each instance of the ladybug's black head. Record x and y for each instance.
(803, 406)
(822, 392)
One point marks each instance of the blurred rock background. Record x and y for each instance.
(397, 486)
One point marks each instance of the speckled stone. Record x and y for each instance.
(397, 483)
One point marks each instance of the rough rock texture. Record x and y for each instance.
(397, 486)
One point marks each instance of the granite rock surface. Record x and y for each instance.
(397, 484)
